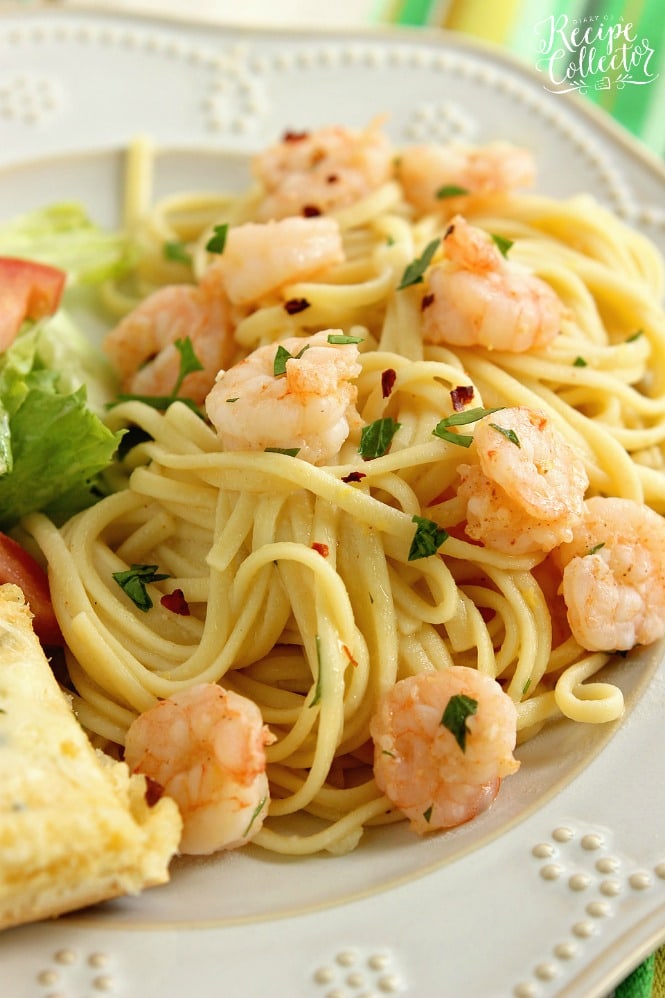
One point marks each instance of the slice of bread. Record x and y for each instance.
(75, 826)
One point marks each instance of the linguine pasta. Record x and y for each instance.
(301, 581)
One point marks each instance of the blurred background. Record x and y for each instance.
(610, 51)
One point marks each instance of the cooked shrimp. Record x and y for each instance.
(205, 747)
(443, 741)
(309, 408)
(476, 297)
(527, 492)
(142, 346)
(259, 258)
(317, 172)
(614, 575)
(426, 171)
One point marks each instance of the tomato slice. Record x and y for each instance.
(20, 568)
(28, 290)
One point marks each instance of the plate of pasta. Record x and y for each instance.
(367, 333)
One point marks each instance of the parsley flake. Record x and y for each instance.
(458, 709)
(580, 362)
(376, 438)
(507, 433)
(428, 813)
(461, 418)
(341, 338)
(217, 242)
(502, 244)
(452, 191)
(281, 357)
(289, 451)
(413, 273)
(428, 538)
(596, 547)
(177, 252)
(133, 583)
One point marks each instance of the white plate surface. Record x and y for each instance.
(557, 890)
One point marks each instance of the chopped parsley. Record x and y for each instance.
(635, 336)
(596, 547)
(452, 191)
(428, 538)
(217, 242)
(428, 813)
(255, 813)
(460, 419)
(133, 583)
(281, 357)
(289, 451)
(342, 338)
(189, 363)
(413, 273)
(454, 718)
(580, 362)
(376, 437)
(507, 433)
(502, 244)
(319, 678)
(177, 252)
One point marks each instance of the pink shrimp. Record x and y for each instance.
(317, 172)
(432, 175)
(142, 346)
(476, 297)
(443, 741)
(527, 492)
(614, 575)
(206, 747)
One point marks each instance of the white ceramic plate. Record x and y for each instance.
(559, 889)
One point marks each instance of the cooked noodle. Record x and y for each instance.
(301, 591)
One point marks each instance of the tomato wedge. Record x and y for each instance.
(20, 568)
(28, 290)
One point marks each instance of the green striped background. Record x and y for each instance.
(638, 107)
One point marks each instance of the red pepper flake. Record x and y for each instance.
(426, 302)
(289, 136)
(348, 654)
(388, 378)
(295, 305)
(449, 231)
(310, 211)
(332, 178)
(461, 396)
(323, 549)
(176, 602)
(354, 476)
(154, 791)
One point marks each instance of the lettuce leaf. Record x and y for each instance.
(64, 236)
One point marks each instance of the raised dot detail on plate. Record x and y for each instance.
(378, 961)
(563, 834)
(66, 957)
(544, 850)
(552, 871)
(660, 871)
(565, 950)
(579, 881)
(583, 930)
(526, 990)
(592, 841)
(346, 958)
(389, 984)
(607, 864)
(610, 888)
(47, 978)
(639, 881)
(103, 983)
(323, 975)
(546, 971)
(598, 909)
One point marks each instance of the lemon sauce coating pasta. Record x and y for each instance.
(407, 489)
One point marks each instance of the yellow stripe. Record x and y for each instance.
(492, 21)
